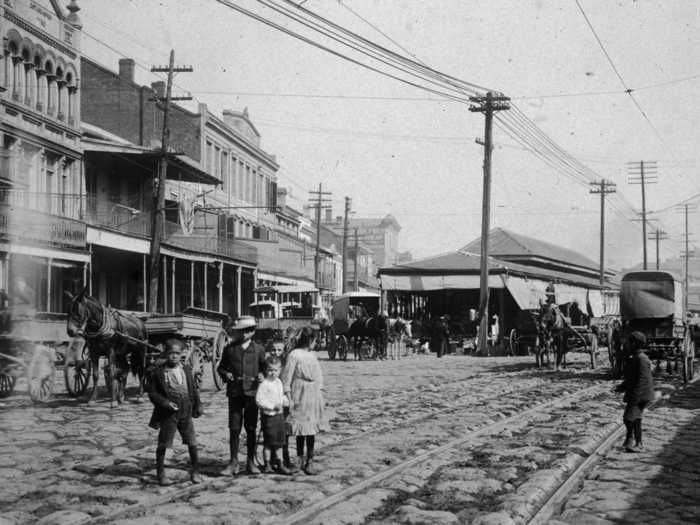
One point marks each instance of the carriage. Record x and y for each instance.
(651, 302)
(281, 310)
(345, 309)
(575, 333)
(31, 345)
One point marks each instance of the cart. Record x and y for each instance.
(344, 310)
(523, 339)
(203, 333)
(280, 311)
(651, 302)
(31, 345)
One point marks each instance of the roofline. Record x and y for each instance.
(245, 143)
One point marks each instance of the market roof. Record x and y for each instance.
(462, 263)
(507, 245)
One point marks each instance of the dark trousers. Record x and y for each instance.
(242, 413)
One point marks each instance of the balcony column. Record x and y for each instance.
(48, 284)
(165, 284)
(145, 281)
(239, 272)
(85, 273)
(192, 283)
(90, 274)
(206, 292)
(172, 286)
(221, 286)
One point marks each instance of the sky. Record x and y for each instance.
(394, 148)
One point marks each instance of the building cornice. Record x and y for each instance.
(41, 35)
(224, 129)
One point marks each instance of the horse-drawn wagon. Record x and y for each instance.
(349, 314)
(651, 302)
(29, 346)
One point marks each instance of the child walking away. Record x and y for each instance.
(303, 384)
(638, 387)
(270, 399)
(175, 397)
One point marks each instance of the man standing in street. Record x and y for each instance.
(242, 365)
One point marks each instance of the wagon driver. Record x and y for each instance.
(242, 365)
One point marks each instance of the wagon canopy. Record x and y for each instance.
(341, 304)
(650, 295)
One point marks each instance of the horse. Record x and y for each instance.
(112, 334)
(552, 326)
(372, 329)
(399, 331)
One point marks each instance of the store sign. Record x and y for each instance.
(36, 227)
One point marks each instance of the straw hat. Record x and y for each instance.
(243, 322)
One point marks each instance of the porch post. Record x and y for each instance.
(85, 271)
(165, 284)
(145, 283)
(239, 271)
(206, 292)
(192, 283)
(48, 286)
(90, 274)
(172, 286)
(221, 286)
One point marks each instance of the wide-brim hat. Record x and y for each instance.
(639, 337)
(244, 322)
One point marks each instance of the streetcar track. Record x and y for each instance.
(556, 497)
(312, 510)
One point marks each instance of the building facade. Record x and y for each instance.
(42, 192)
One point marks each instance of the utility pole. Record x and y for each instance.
(603, 187)
(356, 277)
(318, 202)
(686, 208)
(159, 186)
(486, 105)
(348, 202)
(643, 173)
(658, 235)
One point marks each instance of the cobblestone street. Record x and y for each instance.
(477, 462)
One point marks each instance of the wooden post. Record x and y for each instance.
(192, 283)
(206, 291)
(165, 284)
(145, 284)
(221, 286)
(172, 287)
(239, 272)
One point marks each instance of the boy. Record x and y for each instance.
(175, 397)
(638, 387)
(270, 399)
(243, 360)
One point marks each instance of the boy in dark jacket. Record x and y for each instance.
(638, 387)
(175, 397)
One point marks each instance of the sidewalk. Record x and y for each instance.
(659, 484)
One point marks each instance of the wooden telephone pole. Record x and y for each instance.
(348, 203)
(687, 253)
(658, 235)
(643, 173)
(603, 187)
(159, 186)
(356, 277)
(317, 202)
(486, 105)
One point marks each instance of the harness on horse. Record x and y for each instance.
(105, 329)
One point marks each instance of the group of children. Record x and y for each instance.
(285, 390)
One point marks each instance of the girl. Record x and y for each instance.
(303, 382)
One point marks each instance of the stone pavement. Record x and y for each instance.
(658, 485)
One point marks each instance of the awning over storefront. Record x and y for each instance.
(418, 283)
(48, 253)
(527, 293)
(595, 302)
(566, 293)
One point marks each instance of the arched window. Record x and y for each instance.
(50, 87)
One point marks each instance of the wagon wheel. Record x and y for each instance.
(342, 344)
(195, 360)
(40, 374)
(7, 384)
(217, 351)
(513, 341)
(593, 348)
(77, 368)
(331, 344)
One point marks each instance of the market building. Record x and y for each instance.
(520, 269)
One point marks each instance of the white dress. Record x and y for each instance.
(303, 379)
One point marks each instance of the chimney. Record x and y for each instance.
(126, 69)
(159, 87)
(329, 215)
